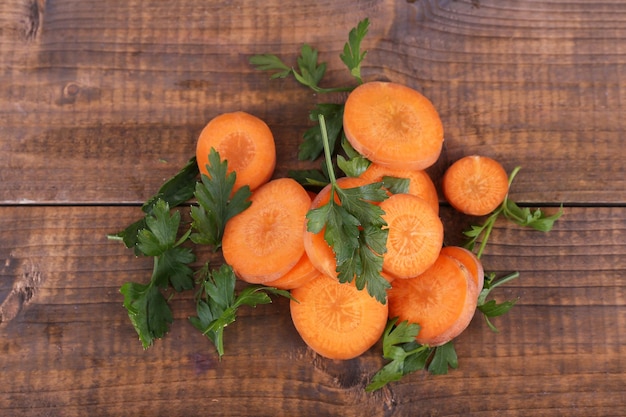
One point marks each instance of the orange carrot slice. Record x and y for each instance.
(300, 274)
(475, 185)
(415, 235)
(337, 320)
(319, 251)
(420, 183)
(469, 260)
(393, 125)
(442, 301)
(245, 142)
(263, 242)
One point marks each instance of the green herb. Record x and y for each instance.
(216, 205)
(355, 230)
(352, 55)
(147, 308)
(408, 356)
(175, 191)
(492, 308)
(523, 217)
(217, 303)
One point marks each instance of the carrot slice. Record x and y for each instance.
(469, 260)
(442, 301)
(415, 235)
(264, 241)
(245, 142)
(393, 125)
(300, 274)
(420, 183)
(475, 185)
(319, 251)
(337, 320)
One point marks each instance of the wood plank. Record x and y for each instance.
(67, 347)
(102, 100)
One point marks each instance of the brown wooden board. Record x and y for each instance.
(101, 101)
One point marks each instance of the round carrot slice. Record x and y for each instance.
(442, 301)
(420, 183)
(475, 185)
(264, 241)
(415, 235)
(393, 125)
(245, 142)
(337, 320)
(319, 251)
(469, 260)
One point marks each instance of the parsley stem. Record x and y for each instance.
(327, 155)
(489, 226)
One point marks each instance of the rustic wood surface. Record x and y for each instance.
(100, 101)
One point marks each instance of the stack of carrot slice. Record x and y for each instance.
(400, 132)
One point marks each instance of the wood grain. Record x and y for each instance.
(101, 101)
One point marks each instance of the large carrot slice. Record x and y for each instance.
(245, 142)
(420, 183)
(415, 235)
(337, 320)
(316, 247)
(393, 125)
(263, 242)
(469, 260)
(442, 301)
(475, 185)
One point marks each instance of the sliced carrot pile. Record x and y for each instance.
(469, 260)
(420, 183)
(245, 142)
(442, 301)
(300, 274)
(337, 320)
(264, 242)
(475, 185)
(316, 247)
(393, 125)
(415, 235)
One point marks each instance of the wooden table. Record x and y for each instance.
(101, 101)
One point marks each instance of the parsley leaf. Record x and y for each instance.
(175, 191)
(444, 356)
(313, 145)
(352, 55)
(492, 308)
(216, 205)
(354, 229)
(146, 305)
(217, 302)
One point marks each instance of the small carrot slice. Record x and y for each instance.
(415, 235)
(300, 274)
(442, 301)
(475, 185)
(245, 142)
(319, 251)
(264, 241)
(337, 320)
(469, 260)
(393, 125)
(420, 183)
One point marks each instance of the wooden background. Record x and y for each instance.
(101, 100)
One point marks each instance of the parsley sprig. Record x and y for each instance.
(355, 229)
(146, 305)
(217, 302)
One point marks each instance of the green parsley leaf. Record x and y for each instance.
(269, 62)
(313, 145)
(175, 191)
(352, 55)
(148, 311)
(217, 302)
(396, 185)
(216, 206)
(444, 357)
